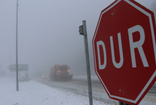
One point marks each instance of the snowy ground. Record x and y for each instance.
(34, 93)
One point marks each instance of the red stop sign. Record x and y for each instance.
(124, 48)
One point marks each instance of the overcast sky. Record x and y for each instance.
(48, 31)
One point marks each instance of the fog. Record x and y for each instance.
(48, 33)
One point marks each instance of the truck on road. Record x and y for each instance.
(60, 72)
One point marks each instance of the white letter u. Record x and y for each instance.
(117, 65)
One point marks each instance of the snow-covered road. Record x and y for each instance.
(79, 86)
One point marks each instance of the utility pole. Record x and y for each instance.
(17, 86)
(83, 31)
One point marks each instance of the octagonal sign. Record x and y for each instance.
(124, 48)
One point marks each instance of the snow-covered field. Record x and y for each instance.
(34, 93)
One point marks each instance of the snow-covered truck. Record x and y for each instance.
(60, 72)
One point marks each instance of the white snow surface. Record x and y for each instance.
(34, 93)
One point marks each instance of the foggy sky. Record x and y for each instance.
(48, 32)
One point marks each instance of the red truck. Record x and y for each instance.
(60, 72)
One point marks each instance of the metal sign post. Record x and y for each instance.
(122, 103)
(83, 31)
(17, 86)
